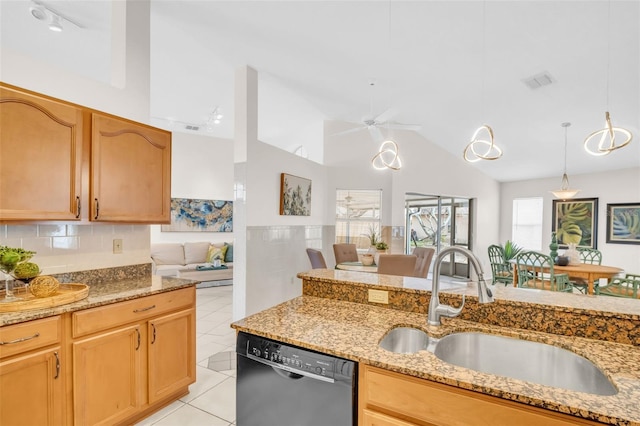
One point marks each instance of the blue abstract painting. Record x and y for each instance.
(192, 215)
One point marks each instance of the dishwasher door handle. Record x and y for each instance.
(286, 368)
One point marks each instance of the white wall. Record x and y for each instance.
(621, 186)
(426, 169)
(202, 168)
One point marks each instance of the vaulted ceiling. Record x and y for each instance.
(448, 66)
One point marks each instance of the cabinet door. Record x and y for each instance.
(372, 418)
(32, 389)
(40, 157)
(172, 358)
(106, 377)
(130, 171)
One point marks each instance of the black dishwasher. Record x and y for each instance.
(284, 385)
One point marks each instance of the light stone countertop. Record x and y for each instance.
(334, 324)
(104, 293)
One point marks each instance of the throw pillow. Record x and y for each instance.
(216, 253)
(229, 256)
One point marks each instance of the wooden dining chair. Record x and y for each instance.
(535, 270)
(316, 258)
(397, 264)
(345, 253)
(592, 257)
(423, 261)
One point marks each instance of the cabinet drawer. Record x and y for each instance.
(109, 316)
(29, 335)
(424, 402)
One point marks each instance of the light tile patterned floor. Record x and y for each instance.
(212, 398)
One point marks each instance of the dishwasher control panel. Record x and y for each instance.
(292, 358)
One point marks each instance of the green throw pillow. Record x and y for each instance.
(229, 256)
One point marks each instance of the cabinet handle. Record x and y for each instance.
(57, 365)
(138, 332)
(21, 339)
(97, 207)
(78, 207)
(153, 338)
(148, 308)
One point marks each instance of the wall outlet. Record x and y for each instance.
(117, 246)
(379, 296)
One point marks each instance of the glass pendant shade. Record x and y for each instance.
(564, 192)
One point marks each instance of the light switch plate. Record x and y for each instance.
(379, 296)
(117, 246)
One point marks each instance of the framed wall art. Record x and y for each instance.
(576, 221)
(295, 195)
(193, 215)
(623, 223)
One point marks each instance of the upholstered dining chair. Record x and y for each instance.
(423, 261)
(501, 271)
(535, 270)
(316, 258)
(345, 253)
(397, 264)
(592, 257)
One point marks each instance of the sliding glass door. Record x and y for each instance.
(439, 221)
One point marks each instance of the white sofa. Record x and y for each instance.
(181, 260)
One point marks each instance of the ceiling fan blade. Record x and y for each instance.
(346, 132)
(386, 115)
(376, 134)
(400, 126)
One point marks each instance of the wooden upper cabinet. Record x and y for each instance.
(130, 171)
(40, 157)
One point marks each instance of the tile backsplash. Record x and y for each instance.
(64, 248)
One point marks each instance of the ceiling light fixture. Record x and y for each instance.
(387, 157)
(214, 119)
(482, 149)
(44, 12)
(564, 192)
(55, 25)
(607, 143)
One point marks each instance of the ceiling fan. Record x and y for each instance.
(381, 121)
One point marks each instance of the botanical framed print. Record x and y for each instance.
(576, 221)
(193, 215)
(295, 195)
(623, 223)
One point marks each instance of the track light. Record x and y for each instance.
(55, 25)
(38, 12)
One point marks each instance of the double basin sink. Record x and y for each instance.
(525, 360)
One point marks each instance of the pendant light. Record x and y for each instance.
(564, 192)
(482, 149)
(607, 143)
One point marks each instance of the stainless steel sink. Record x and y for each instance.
(525, 360)
(405, 340)
(505, 356)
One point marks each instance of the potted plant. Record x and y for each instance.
(381, 248)
(511, 250)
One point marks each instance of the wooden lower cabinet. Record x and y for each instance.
(171, 349)
(386, 398)
(125, 372)
(106, 377)
(31, 389)
(32, 386)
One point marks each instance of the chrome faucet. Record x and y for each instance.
(436, 310)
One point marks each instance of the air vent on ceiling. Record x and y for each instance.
(538, 80)
(192, 127)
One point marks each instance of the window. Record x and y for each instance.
(526, 229)
(357, 214)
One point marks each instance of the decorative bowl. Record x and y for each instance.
(367, 259)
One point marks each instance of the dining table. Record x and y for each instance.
(586, 271)
(357, 266)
